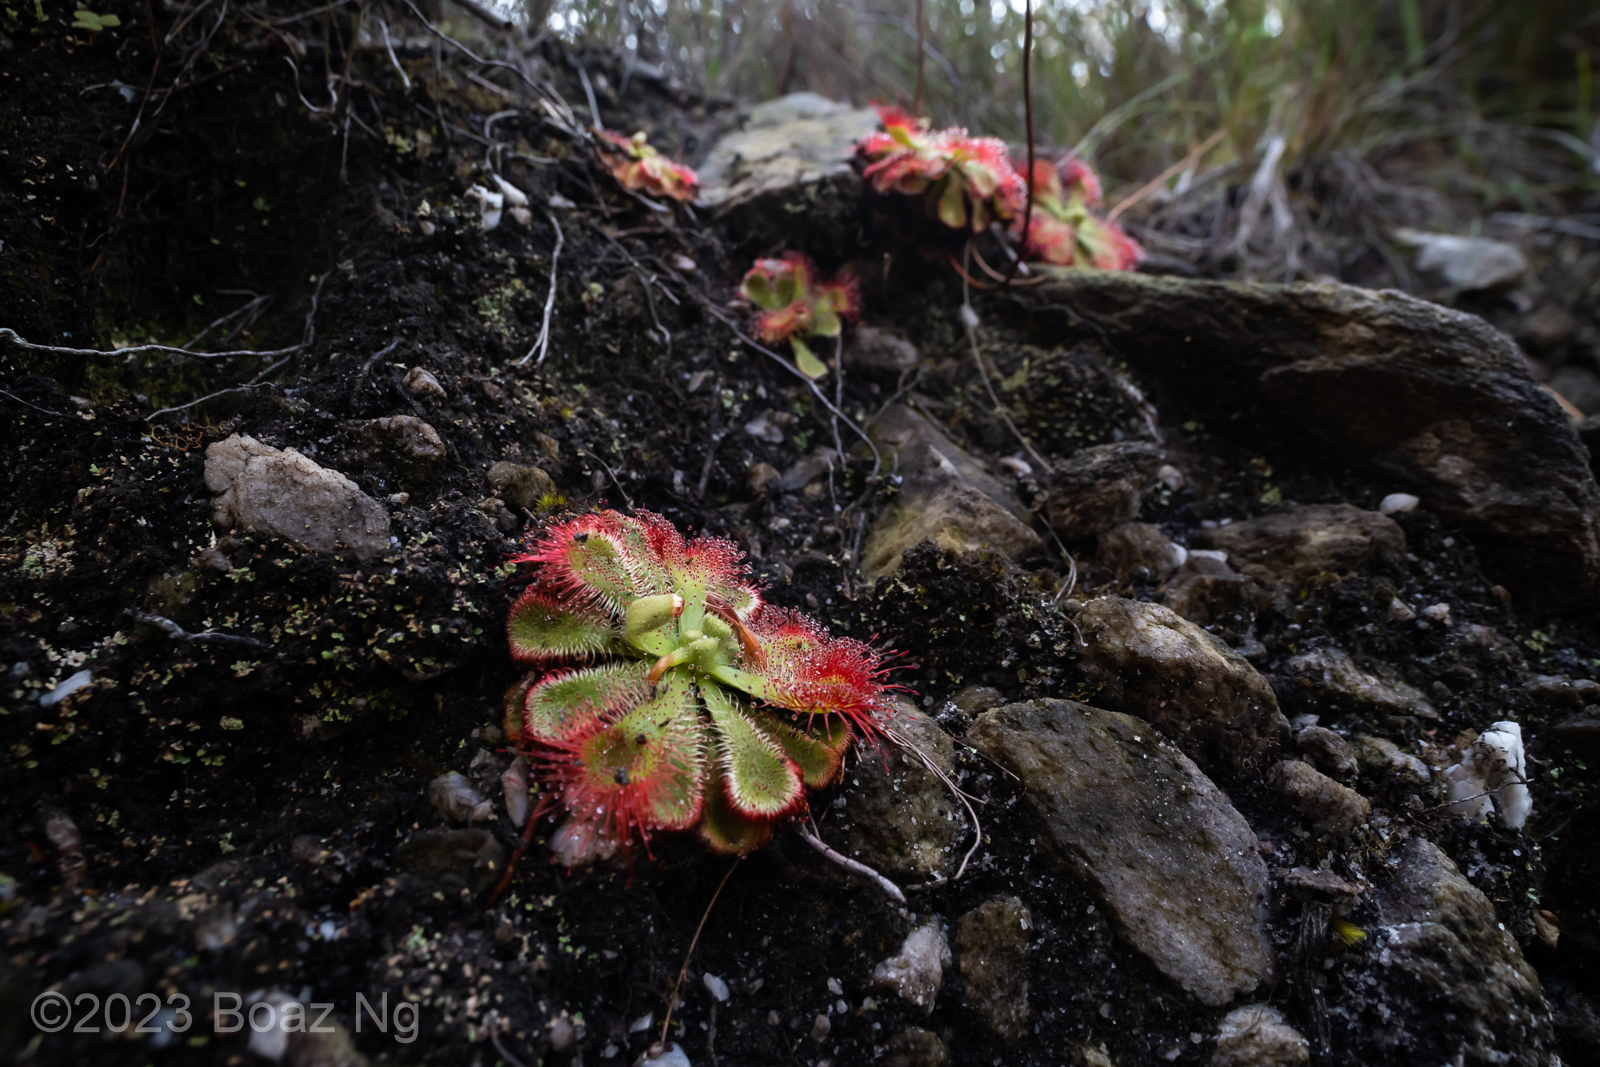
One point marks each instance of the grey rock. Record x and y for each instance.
(519, 485)
(1339, 683)
(808, 469)
(1331, 753)
(1331, 809)
(422, 384)
(1202, 694)
(974, 700)
(454, 859)
(1097, 488)
(762, 475)
(1139, 548)
(1549, 326)
(898, 817)
(1561, 691)
(872, 349)
(787, 176)
(1321, 886)
(917, 970)
(1472, 264)
(454, 797)
(1176, 866)
(284, 494)
(1291, 547)
(404, 444)
(1257, 1036)
(916, 1047)
(1209, 592)
(1383, 760)
(1397, 504)
(946, 498)
(1582, 731)
(992, 954)
(1340, 377)
(1451, 980)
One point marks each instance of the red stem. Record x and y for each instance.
(1027, 110)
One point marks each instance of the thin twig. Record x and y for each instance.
(687, 956)
(938, 772)
(542, 345)
(718, 313)
(178, 633)
(809, 836)
(511, 1061)
(478, 11)
(588, 92)
(1194, 156)
(916, 100)
(970, 320)
(254, 383)
(11, 335)
(614, 479)
(36, 407)
(389, 47)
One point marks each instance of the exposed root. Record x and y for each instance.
(808, 834)
(687, 956)
(542, 345)
(955, 791)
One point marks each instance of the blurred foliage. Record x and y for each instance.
(1136, 85)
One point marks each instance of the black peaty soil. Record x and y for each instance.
(242, 801)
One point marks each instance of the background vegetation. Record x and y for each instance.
(1136, 85)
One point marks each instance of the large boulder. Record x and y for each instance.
(1176, 866)
(945, 497)
(1444, 981)
(1202, 694)
(1435, 399)
(786, 177)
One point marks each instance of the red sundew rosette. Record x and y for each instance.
(639, 167)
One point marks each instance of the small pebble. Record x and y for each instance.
(834, 987)
(684, 263)
(1437, 612)
(453, 796)
(1170, 476)
(716, 987)
(419, 383)
(1400, 611)
(562, 1034)
(820, 1028)
(1398, 502)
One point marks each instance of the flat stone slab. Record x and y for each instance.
(1177, 867)
(1438, 401)
(788, 173)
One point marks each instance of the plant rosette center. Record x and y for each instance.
(665, 694)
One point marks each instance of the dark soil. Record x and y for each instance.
(241, 805)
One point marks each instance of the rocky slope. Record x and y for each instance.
(1197, 628)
